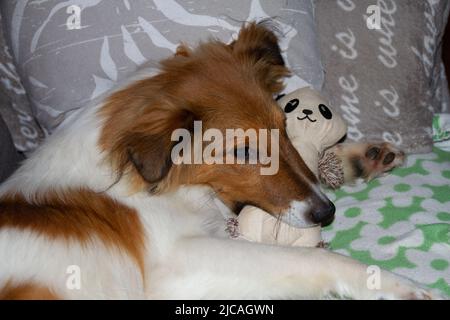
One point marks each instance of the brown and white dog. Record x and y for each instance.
(101, 199)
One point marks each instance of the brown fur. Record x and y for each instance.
(77, 215)
(26, 291)
(224, 86)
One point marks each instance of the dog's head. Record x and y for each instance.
(220, 87)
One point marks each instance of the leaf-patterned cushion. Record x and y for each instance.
(64, 67)
(14, 105)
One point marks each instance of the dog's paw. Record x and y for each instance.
(367, 160)
(379, 159)
(425, 294)
(408, 290)
(419, 294)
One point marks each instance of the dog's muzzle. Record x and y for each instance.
(323, 213)
(314, 211)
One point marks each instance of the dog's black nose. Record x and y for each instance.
(323, 213)
(307, 112)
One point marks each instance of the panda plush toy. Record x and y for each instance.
(313, 126)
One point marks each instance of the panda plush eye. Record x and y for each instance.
(291, 105)
(326, 113)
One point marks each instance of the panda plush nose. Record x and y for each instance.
(307, 112)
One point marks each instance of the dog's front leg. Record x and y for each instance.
(211, 268)
(365, 160)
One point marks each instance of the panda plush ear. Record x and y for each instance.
(291, 105)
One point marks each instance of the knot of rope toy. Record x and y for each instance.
(232, 228)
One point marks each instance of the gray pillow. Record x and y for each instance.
(64, 69)
(387, 82)
(14, 105)
(9, 157)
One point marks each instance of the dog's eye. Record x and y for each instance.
(291, 105)
(245, 154)
(325, 111)
(242, 153)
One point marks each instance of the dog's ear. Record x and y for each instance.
(149, 144)
(258, 44)
(183, 51)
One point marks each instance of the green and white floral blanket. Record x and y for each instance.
(400, 222)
